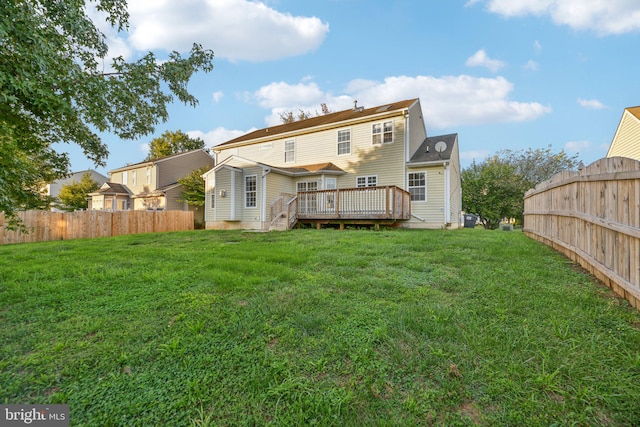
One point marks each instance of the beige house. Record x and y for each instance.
(149, 185)
(626, 141)
(53, 189)
(357, 166)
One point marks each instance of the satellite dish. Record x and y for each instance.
(441, 146)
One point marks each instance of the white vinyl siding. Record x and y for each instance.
(344, 142)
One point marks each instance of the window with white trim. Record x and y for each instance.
(134, 178)
(382, 133)
(125, 177)
(344, 141)
(251, 191)
(213, 198)
(307, 185)
(148, 174)
(417, 186)
(367, 181)
(290, 151)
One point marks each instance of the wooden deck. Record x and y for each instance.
(359, 206)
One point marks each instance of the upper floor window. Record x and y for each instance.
(418, 186)
(148, 174)
(125, 177)
(367, 181)
(134, 178)
(290, 151)
(382, 133)
(251, 191)
(344, 141)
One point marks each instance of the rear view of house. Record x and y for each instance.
(357, 166)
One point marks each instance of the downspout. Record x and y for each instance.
(447, 196)
(265, 172)
(233, 195)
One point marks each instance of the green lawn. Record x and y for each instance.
(315, 327)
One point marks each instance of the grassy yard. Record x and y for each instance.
(309, 327)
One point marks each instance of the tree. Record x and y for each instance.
(492, 190)
(536, 166)
(288, 116)
(53, 88)
(193, 187)
(172, 143)
(495, 188)
(74, 196)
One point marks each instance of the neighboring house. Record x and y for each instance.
(150, 185)
(53, 189)
(358, 166)
(626, 141)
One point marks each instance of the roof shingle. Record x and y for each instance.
(325, 119)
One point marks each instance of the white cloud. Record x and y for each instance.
(591, 104)
(577, 146)
(233, 29)
(537, 47)
(447, 101)
(602, 16)
(217, 136)
(531, 65)
(217, 96)
(481, 59)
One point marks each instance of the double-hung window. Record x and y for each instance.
(290, 151)
(134, 178)
(382, 133)
(344, 141)
(125, 177)
(418, 186)
(251, 191)
(367, 181)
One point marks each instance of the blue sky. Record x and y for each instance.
(503, 74)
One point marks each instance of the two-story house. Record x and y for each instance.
(149, 185)
(358, 166)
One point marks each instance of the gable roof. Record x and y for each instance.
(427, 151)
(634, 111)
(111, 188)
(321, 168)
(158, 160)
(323, 120)
(237, 162)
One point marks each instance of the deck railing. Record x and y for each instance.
(385, 202)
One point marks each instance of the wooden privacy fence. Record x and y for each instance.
(45, 225)
(593, 217)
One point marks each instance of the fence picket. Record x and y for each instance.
(593, 217)
(46, 225)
